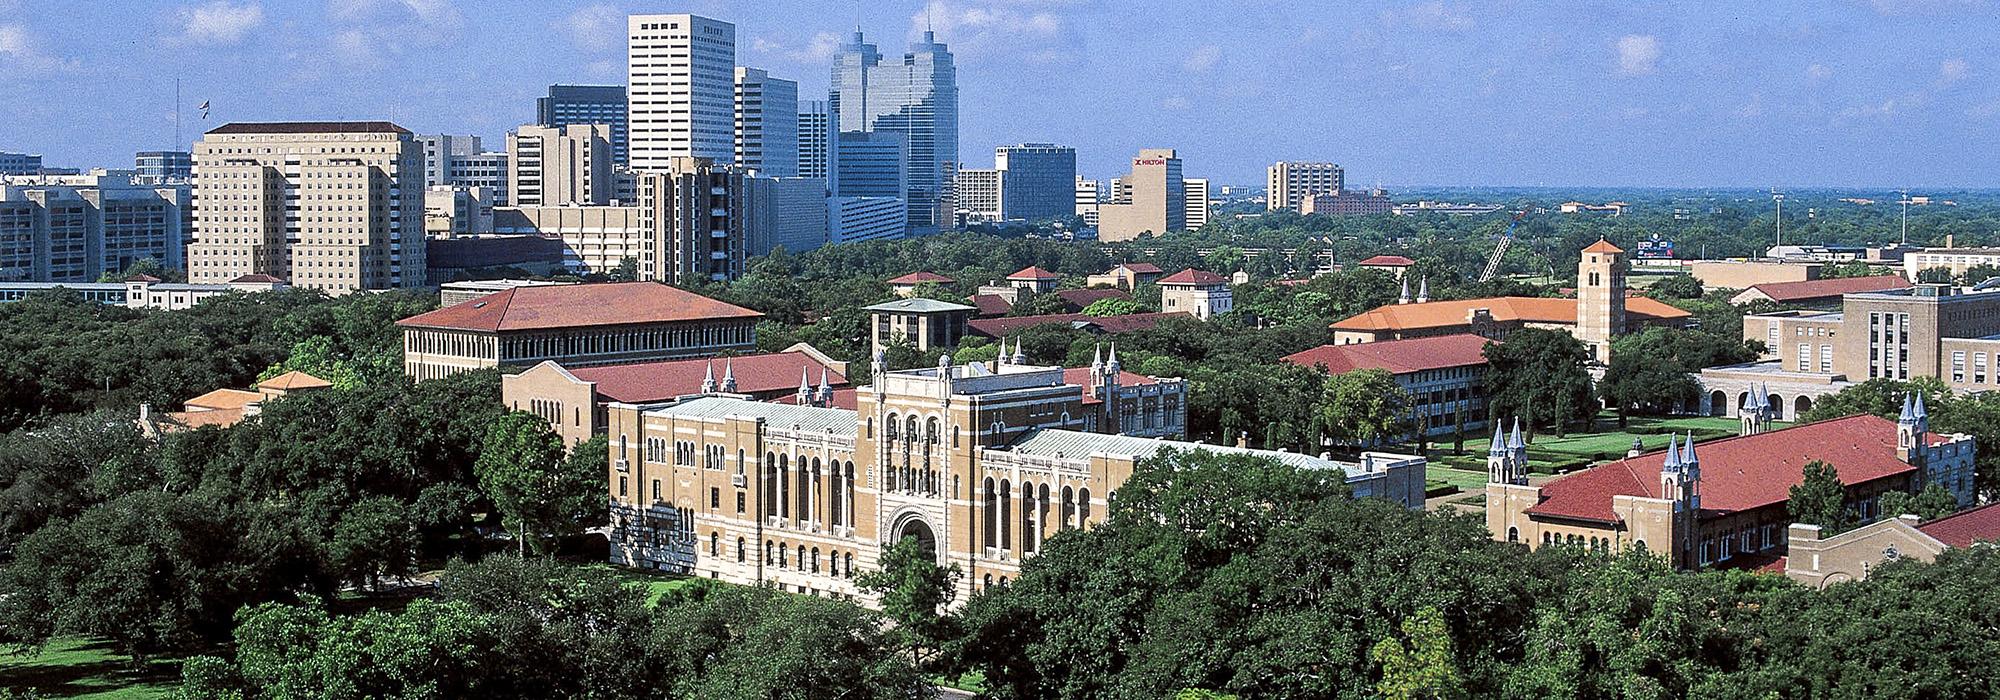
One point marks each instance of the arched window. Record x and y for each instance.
(802, 557)
(1548, 538)
(1082, 507)
(714, 544)
(783, 561)
(910, 437)
(1068, 508)
(931, 431)
(989, 502)
(739, 550)
(1028, 524)
(889, 428)
(1006, 513)
(769, 557)
(1513, 534)
(815, 560)
(847, 564)
(988, 584)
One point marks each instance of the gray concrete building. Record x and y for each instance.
(549, 166)
(767, 123)
(587, 104)
(77, 228)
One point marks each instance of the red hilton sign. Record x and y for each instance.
(1149, 161)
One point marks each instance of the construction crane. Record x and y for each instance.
(1500, 251)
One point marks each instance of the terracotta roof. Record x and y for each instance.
(1738, 473)
(1193, 276)
(991, 304)
(1821, 289)
(1397, 356)
(142, 278)
(224, 399)
(1008, 325)
(189, 420)
(256, 279)
(922, 277)
(1080, 298)
(1603, 246)
(1080, 376)
(577, 305)
(1141, 268)
(1032, 272)
(309, 128)
(294, 380)
(1387, 261)
(659, 381)
(1962, 529)
(1437, 314)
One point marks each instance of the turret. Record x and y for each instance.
(825, 398)
(708, 379)
(805, 389)
(1020, 355)
(1496, 458)
(1670, 472)
(1755, 416)
(1111, 366)
(1691, 476)
(1910, 428)
(1404, 298)
(729, 376)
(1424, 290)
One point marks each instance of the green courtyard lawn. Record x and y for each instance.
(87, 669)
(1549, 454)
(657, 583)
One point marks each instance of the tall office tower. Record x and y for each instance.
(800, 205)
(871, 164)
(439, 152)
(586, 104)
(1150, 200)
(980, 194)
(336, 206)
(163, 166)
(917, 98)
(1197, 203)
(701, 219)
(1040, 180)
(1286, 183)
(484, 170)
(767, 123)
(681, 70)
(1088, 198)
(76, 228)
(815, 141)
(20, 163)
(548, 166)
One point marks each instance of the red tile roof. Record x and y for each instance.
(1193, 276)
(1397, 356)
(1437, 314)
(1603, 246)
(142, 278)
(1808, 290)
(294, 380)
(1387, 261)
(256, 279)
(1141, 268)
(1739, 473)
(922, 277)
(991, 304)
(577, 305)
(1962, 529)
(1004, 326)
(659, 381)
(1032, 272)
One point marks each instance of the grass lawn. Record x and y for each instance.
(657, 583)
(1464, 479)
(83, 668)
(1548, 449)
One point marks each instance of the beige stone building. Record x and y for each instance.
(551, 166)
(1849, 556)
(1724, 503)
(921, 323)
(1957, 260)
(594, 239)
(1600, 297)
(1152, 199)
(1744, 274)
(1288, 183)
(574, 400)
(701, 219)
(979, 464)
(576, 326)
(335, 206)
(1199, 292)
(1126, 276)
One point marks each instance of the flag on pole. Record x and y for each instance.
(204, 109)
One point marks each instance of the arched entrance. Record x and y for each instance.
(1801, 406)
(913, 526)
(1777, 404)
(1718, 403)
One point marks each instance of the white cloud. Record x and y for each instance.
(369, 33)
(597, 27)
(1884, 109)
(1953, 70)
(1818, 72)
(1176, 103)
(13, 40)
(220, 22)
(21, 52)
(1638, 54)
(1434, 15)
(1203, 59)
(355, 48)
(1753, 109)
(1031, 30)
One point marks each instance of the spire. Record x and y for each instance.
(1111, 363)
(825, 389)
(1687, 455)
(729, 376)
(1673, 460)
(1020, 355)
(1920, 413)
(1909, 414)
(805, 388)
(1499, 443)
(1097, 357)
(1515, 443)
(1404, 298)
(1424, 290)
(708, 379)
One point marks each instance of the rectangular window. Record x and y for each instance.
(621, 487)
(1826, 358)
(1805, 357)
(714, 498)
(656, 490)
(739, 503)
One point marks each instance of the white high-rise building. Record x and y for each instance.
(559, 165)
(680, 74)
(1287, 182)
(1198, 203)
(767, 123)
(816, 141)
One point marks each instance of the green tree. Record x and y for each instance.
(1540, 375)
(1039, 305)
(1931, 503)
(627, 270)
(1425, 668)
(914, 591)
(1821, 500)
(1676, 287)
(374, 540)
(1112, 306)
(539, 493)
(1935, 275)
(1364, 407)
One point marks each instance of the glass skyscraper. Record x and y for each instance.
(586, 104)
(917, 98)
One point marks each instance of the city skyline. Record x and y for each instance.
(1863, 94)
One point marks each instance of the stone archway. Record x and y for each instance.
(914, 526)
(1718, 403)
(1800, 406)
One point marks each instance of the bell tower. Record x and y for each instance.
(1600, 297)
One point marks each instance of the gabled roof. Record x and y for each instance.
(1032, 272)
(1397, 356)
(577, 305)
(1193, 276)
(1808, 290)
(256, 279)
(1739, 473)
(1140, 268)
(1437, 314)
(918, 305)
(294, 380)
(1603, 246)
(1387, 261)
(992, 304)
(649, 382)
(224, 399)
(1962, 529)
(149, 279)
(309, 128)
(922, 277)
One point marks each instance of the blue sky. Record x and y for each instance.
(1874, 93)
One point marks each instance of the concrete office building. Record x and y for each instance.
(439, 152)
(594, 239)
(917, 98)
(1089, 197)
(335, 206)
(1040, 181)
(701, 219)
(20, 163)
(1150, 200)
(801, 211)
(767, 123)
(1956, 260)
(1286, 183)
(457, 211)
(1346, 203)
(548, 166)
(871, 164)
(587, 104)
(1198, 203)
(155, 167)
(77, 228)
(681, 99)
(816, 141)
(486, 169)
(980, 194)
(857, 219)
